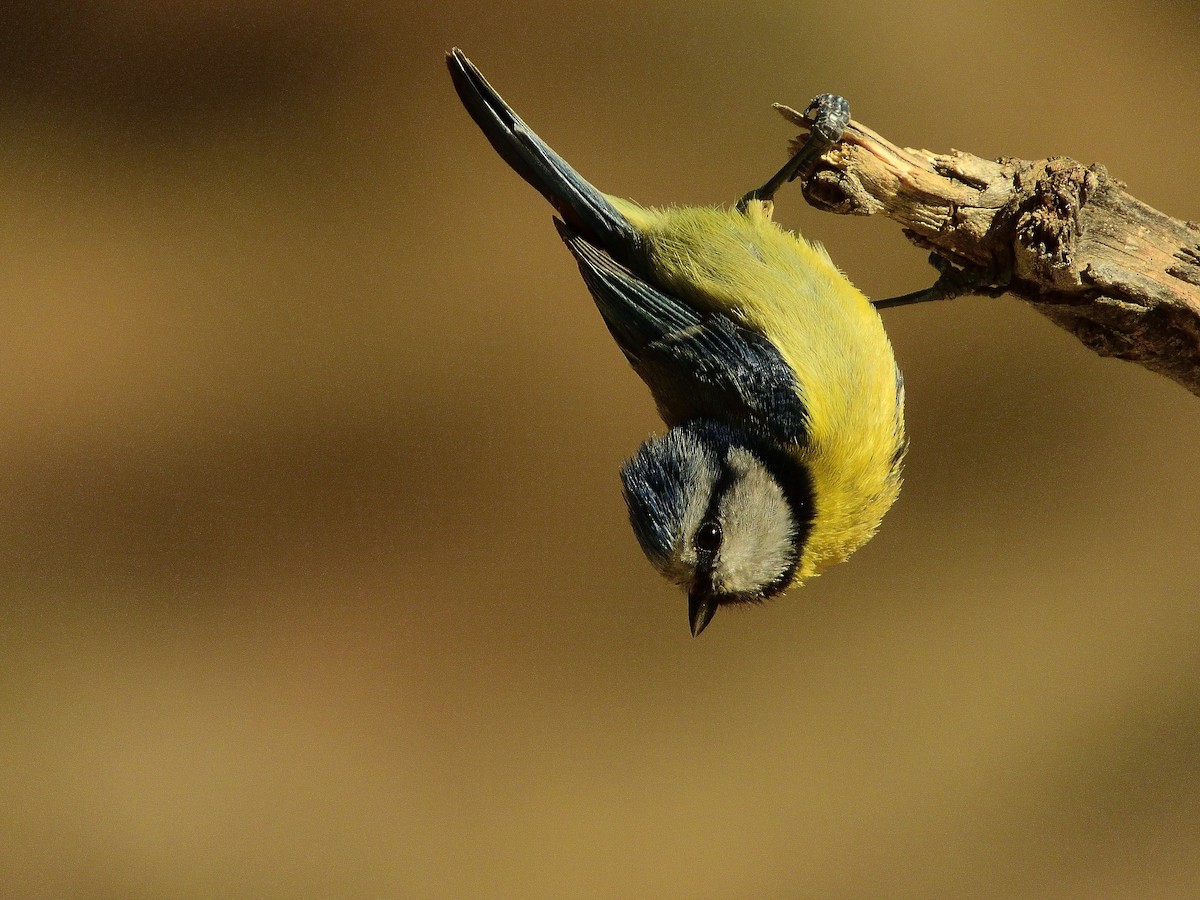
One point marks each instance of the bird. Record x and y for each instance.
(778, 385)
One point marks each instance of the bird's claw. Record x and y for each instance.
(830, 114)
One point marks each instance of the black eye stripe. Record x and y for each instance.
(722, 486)
(724, 483)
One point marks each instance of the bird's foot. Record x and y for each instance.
(829, 114)
(954, 282)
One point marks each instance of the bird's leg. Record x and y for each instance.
(830, 114)
(953, 283)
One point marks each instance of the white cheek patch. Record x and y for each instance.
(759, 533)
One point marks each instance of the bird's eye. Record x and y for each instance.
(708, 537)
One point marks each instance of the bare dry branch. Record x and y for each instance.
(1121, 276)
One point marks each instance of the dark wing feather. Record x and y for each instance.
(697, 365)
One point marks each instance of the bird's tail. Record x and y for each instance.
(581, 205)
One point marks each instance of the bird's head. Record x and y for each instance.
(719, 514)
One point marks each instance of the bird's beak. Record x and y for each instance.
(701, 608)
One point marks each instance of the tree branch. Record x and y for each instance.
(1121, 276)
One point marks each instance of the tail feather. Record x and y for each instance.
(584, 207)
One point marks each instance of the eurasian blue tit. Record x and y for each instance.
(778, 385)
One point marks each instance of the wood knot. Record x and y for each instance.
(832, 190)
(1050, 197)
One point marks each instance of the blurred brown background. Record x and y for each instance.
(317, 580)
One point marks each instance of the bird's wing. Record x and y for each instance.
(697, 365)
